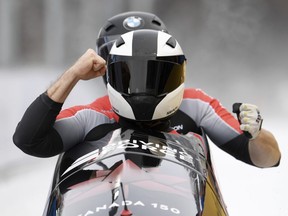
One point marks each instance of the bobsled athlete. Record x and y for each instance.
(144, 70)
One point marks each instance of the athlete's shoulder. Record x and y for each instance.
(196, 93)
(99, 105)
(102, 103)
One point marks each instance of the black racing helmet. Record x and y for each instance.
(146, 73)
(123, 23)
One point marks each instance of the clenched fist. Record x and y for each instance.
(89, 66)
(250, 119)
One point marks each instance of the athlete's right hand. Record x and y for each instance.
(89, 66)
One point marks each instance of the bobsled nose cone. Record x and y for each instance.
(126, 213)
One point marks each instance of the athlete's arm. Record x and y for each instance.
(255, 146)
(87, 67)
(263, 147)
(35, 134)
(225, 131)
(264, 150)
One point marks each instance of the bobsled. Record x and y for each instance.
(130, 172)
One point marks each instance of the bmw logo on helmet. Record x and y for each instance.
(133, 22)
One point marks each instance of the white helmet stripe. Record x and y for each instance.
(126, 48)
(169, 104)
(119, 104)
(163, 49)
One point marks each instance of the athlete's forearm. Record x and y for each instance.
(264, 150)
(60, 90)
(88, 66)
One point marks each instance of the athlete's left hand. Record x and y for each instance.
(250, 119)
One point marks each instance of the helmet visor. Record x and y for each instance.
(149, 77)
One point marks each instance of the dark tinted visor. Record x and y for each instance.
(150, 77)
